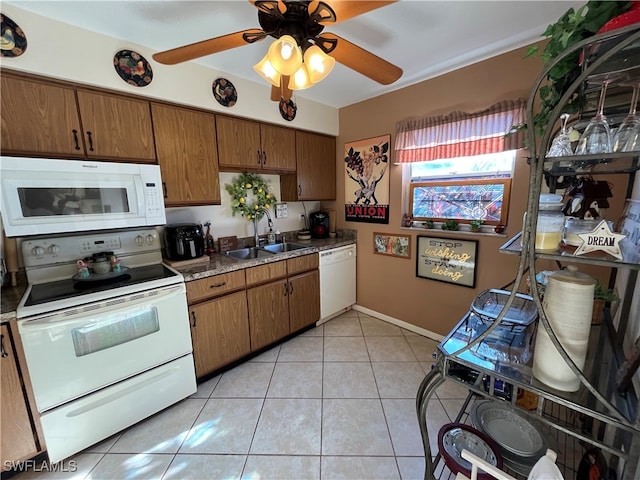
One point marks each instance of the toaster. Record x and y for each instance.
(183, 241)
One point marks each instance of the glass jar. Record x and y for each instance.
(550, 222)
(575, 226)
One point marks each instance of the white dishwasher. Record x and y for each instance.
(337, 280)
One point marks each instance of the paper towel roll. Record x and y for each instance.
(11, 257)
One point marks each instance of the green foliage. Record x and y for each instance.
(428, 224)
(249, 195)
(475, 225)
(571, 28)
(607, 294)
(451, 225)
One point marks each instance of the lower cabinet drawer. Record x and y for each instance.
(217, 285)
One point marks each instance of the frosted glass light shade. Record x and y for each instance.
(318, 63)
(266, 70)
(300, 80)
(285, 55)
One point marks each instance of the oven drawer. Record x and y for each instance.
(77, 425)
(75, 352)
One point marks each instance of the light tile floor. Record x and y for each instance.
(337, 402)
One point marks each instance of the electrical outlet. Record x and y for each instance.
(281, 210)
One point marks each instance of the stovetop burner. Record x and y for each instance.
(68, 289)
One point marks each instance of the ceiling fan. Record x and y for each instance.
(303, 23)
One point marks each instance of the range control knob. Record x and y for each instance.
(53, 249)
(37, 251)
(139, 240)
(150, 239)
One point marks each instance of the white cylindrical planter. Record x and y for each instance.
(568, 305)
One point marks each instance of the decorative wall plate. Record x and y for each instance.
(133, 68)
(13, 41)
(288, 109)
(224, 92)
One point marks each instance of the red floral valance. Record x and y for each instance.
(461, 134)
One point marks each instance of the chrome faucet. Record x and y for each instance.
(255, 224)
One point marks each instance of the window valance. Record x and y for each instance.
(461, 134)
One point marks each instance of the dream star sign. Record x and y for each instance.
(601, 238)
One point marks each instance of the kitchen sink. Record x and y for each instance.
(283, 247)
(249, 253)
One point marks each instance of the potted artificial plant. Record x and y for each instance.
(601, 296)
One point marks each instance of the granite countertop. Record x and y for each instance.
(218, 264)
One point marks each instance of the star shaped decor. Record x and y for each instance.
(601, 238)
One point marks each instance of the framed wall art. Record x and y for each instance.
(392, 244)
(366, 180)
(447, 260)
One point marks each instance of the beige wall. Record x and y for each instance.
(389, 285)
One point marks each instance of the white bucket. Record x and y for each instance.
(568, 304)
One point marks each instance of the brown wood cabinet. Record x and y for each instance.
(219, 332)
(315, 177)
(116, 127)
(187, 154)
(39, 118)
(18, 440)
(247, 145)
(47, 118)
(219, 320)
(268, 313)
(304, 300)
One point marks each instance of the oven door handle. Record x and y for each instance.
(79, 314)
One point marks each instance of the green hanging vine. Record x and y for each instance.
(249, 194)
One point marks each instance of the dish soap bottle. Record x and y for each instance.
(208, 240)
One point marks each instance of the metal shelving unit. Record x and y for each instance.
(596, 415)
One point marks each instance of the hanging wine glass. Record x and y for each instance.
(595, 138)
(627, 138)
(561, 145)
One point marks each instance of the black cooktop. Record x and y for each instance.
(63, 289)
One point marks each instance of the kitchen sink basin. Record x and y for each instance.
(283, 247)
(249, 253)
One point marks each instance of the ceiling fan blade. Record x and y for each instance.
(283, 91)
(269, 6)
(360, 60)
(343, 9)
(207, 47)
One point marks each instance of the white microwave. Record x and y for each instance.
(42, 196)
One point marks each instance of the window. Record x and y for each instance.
(462, 189)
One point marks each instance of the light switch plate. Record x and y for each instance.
(281, 210)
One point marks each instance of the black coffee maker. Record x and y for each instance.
(319, 224)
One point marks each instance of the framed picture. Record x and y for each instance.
(366, 180)
(447, 260)
(392, 244)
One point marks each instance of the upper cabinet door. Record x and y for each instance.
(187, 154)
(116, 127)
(316, 166)
(238, 143)
(278, 148)
(39, 118)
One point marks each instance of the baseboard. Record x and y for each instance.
(400, 323)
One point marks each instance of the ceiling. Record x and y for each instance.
(424, 38)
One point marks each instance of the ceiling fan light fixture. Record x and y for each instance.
(300, 80)
(318, 63)
(266, 70)
(285, 55)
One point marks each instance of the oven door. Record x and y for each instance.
(77, 351)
